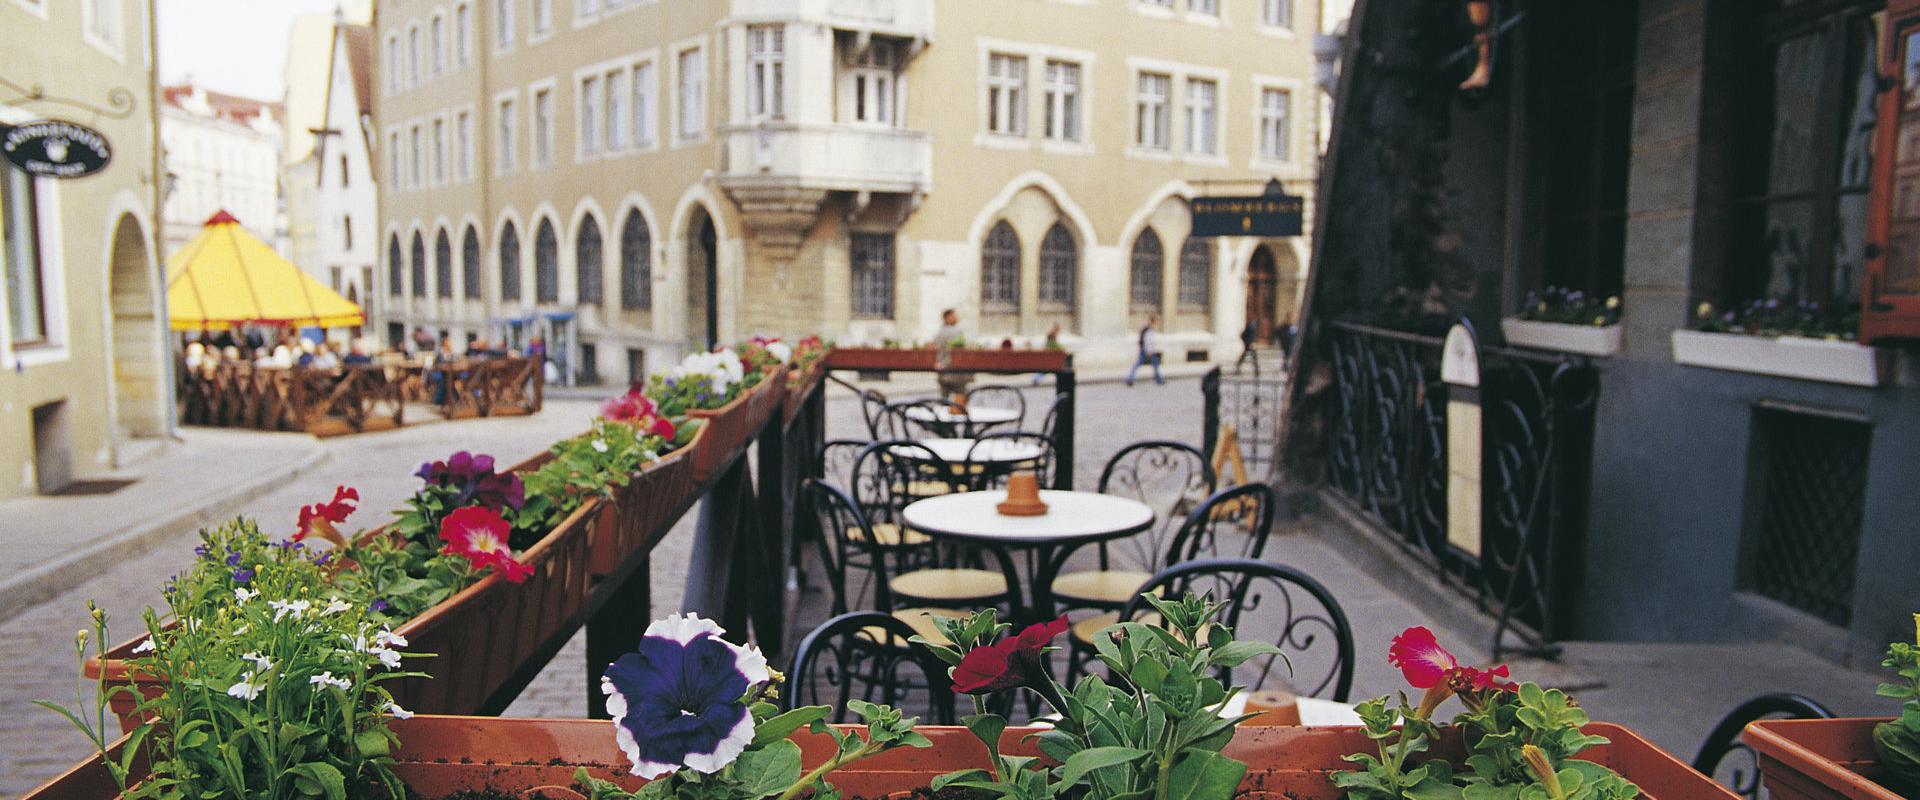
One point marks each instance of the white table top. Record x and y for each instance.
(1070, 516)
(1314, 712)
(957, 451)
(985, 414)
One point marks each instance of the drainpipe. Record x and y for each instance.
(157, 173)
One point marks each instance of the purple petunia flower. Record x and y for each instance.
(676, 702)
(233, 559)
(379, 606)
(243, 577)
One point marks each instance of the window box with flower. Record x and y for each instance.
(1567, 322)
(1848, 759)
(730, 400)
(1771, 338)
(882, 359)
(808, 370)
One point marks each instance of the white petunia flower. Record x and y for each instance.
(599, 445)
(780, 350)
(246, 689)
(145, 647)
(243, 594)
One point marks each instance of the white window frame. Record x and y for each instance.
(104, 27)
(396, 171)
(55, 348)
(1200, 136)
(506, 139)
(504, 24)
(867, 85)
(643, 107)
(589, 114)
(396, 64)
(463, 34)
(1205, 12)
(416, 156)
(540, 25)
(37, 8)
(1293, 165)
(413, 55)
(1161, 9)
(464, 142)
(1005, 97)
(766, 71)
(1055, 96)
(437, 49)
(613, 128)
(1160, 106)
(437, 145)
(702, 95)
(1180, 73)
(537, 132)
(1284, 27)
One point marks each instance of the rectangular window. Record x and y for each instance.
(645, 105)
(542, 16)
(103, 21)
(504, 150)
(439, 151)
(1276, 121)
(1803, 534)
(463, 145)
(395, 67)
(1203, 117)
(393, 159)
(1063, 101)
(1151, 116)
(543, 127)
(873, 84)
(1209, 7)
(1006, 94)
(345, 176)
(20, 229)
(413, 56)
(503, 22)
(693, 94)
(616, 83)
(590, 99)
(416, 154)
(463, 35)
(437, 33)
(871, 259)
(766, 70)
(1276, 13)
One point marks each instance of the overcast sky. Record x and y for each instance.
(236, 46)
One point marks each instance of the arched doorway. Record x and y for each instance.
(703, 279)
(138, 358)
(1262, 286)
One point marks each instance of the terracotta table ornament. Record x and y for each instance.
(1023, 496)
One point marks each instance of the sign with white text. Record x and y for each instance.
(55, 148)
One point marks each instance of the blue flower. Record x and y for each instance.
(677, 702)
(379, 606)
(200, 550)
(243, 577)
(325, 557)
(233, 559)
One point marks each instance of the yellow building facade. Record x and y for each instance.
(633, 179)
(83, 367)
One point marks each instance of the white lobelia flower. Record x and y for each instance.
(288, 608)
(246, 689)
(260, 662)
(243, 594)
(335, 605)
(327, 679)
(599, 445)
(390, 658)
(145, 646)
(397, 712)
(676, 701)
(386, 638)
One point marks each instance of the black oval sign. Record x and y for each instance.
(55, 148)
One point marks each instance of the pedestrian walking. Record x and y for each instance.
(953, 385)
(1149, 351)
(1247, 336)
(1286, 333)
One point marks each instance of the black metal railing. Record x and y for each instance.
(1387, 457)
(1250, 403)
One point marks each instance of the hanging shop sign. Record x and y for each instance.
(55, 148)
(1273, 213)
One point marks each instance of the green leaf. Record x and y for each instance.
(1238, 653)
(783, 725)
(1095, 758)
(768, 770)
(319, 779)
(1204, 776)
(987, 728)
(371, 743)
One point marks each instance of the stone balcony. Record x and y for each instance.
(908, 19)
(779, 173)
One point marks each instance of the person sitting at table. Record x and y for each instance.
(357, 354)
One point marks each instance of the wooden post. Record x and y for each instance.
(615, 630)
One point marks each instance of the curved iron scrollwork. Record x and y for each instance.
(120, 100)
(1389, 432)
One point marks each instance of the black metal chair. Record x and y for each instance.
(869, 652)
(997, 396)
(1052, 420)
(837, 459)
(1242, 514)
(1265, 601)
(873, 405)
(984, 473)
(1169, 477)
(914, 419)
(909, 593)
(1743, 774)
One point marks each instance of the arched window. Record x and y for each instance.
(587, 261)
(442, 265)
(470, 264)
(396, 277)
(1149, 260)
(419, 266)
(546, 264)
(636, 263)
(509, 263)
(1196, 274)
(1000, 269)
(1059, 263)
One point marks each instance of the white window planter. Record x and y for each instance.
(1786, 356)
(1588, 340)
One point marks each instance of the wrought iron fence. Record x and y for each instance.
(1387, 456)
(1250, 405)
(1810, 516)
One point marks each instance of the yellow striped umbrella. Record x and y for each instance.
(226, 277)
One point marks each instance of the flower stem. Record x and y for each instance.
(823, 770)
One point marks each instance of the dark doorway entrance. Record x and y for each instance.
(703, 279)
(1262, 279)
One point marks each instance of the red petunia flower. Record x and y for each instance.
(630, 407)
(663, 428)
(480, 535)
(1010, 662)
(1420, 657)
(318, 519)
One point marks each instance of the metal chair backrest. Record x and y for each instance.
(987, 474)
(998, 396)
(911, 419)
(1244, 511)
(845, 531)
(892, 473)
(837, 459)
(1274, 603)
(1743, 772)
(867, 655)
(1169, 477)
(1052, 421)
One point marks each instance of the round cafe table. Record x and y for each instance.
(975, 418)
(1073, 519)
(963, 451)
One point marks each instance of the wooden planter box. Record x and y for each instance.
(799, 391)
(730, 428)
(439, 756)
(645, 509)
(1015, 361)
(1587, 340)
(1786, 356)
(1820, 759)
(479, 637)
(880, 359)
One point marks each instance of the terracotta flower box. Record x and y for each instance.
(645, 509)
(881, 358)
(730, 428)
(799, 390)
(1587, 340)
(1820, 759)
(479, 637)
(966, 360)
(1848, 363)
(440, 756)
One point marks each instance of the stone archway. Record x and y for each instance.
(1262, 289)
(703, 278)
(139, 359)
